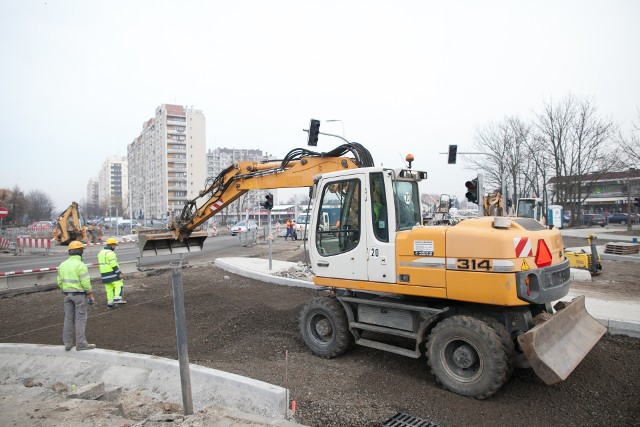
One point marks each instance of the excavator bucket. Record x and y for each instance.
(152, 244)
(555, 347)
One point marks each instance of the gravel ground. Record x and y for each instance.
(251, 328)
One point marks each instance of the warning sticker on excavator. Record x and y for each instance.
(522, 246)
(423, 247)
(525, 266)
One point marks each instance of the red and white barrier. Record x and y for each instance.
(35, 270)
(40, 270)
(215, 229)
(4, 243)
(28, 243)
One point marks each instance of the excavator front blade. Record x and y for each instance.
(165, 243)
(555, 347)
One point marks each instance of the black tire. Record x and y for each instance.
(467, 357)
(325, 328)
(505, 338)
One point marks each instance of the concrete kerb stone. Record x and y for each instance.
(621, 327)
(242, 267)
(158, 377)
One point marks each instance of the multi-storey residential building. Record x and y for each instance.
(113, 186)
(220, 159)
(92, 207)
(167, 161)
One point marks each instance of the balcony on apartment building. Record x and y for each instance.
(176, 121)
(176, 167)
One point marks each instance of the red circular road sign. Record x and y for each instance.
(3, 212)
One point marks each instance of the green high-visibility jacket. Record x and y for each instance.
(73, 275)
(109, 268)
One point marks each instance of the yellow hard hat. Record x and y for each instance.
(111, 241)
(75, 245)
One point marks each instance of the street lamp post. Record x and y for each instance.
(337, 120)
(629, 210)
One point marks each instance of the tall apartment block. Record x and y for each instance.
(113, 186)
(167, 161)
(92, 207)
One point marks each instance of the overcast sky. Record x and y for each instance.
(78, 78)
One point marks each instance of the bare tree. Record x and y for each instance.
(505, 145)
(575, 140)
(39, 206)
(630, 144)
(17, 207)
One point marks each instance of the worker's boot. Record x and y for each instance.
(85, 347)
(119, 301)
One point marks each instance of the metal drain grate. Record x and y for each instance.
(402, 420)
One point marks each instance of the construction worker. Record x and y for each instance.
(112, 277)
(289, 230)
(75, 284)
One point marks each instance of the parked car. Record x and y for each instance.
(243, 227)
(621, 218)
(591, 220)
(126, 224)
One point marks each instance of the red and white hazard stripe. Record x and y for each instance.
(27, 242)
(39, 270)
(216, 206)
(4, 243)
(522, 246)
(215, 229)
(35, 270)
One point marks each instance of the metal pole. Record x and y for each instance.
(130, 209)
(271, 239)
(337, 120)
(629, 202)
(181, 334)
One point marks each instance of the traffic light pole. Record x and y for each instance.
(503, 184)
(330, 134)
(270, 237)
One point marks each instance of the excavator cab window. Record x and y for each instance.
(379, 207)
(345, 196)
(407, 205)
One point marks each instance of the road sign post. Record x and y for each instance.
(3, 213)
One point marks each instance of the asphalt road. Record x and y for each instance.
(126, 252)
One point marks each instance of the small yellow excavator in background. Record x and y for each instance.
(71, 225)
(584, 260)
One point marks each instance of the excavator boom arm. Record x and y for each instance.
(298, 169)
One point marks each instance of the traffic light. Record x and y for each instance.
(472, 190)
(314, 131)
(453, 152)
(268, 203)
(637, 202)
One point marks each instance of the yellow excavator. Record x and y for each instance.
(475, 298)
(71, 225)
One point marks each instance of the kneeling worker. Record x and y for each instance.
(112, 277)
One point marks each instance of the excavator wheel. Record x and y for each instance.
(507, 342)
(467, 357)
(325, 328)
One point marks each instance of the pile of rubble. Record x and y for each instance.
(301, 271)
